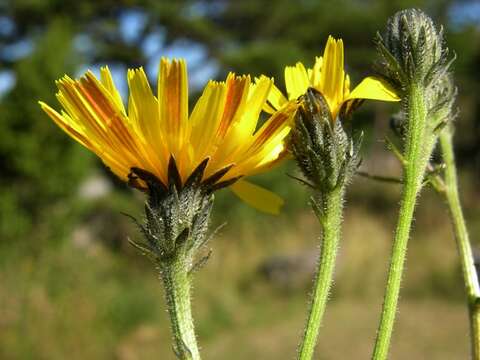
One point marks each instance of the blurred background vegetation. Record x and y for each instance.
(71, 287)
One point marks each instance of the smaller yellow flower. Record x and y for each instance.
(154, 131)
(329, 78)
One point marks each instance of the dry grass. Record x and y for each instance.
(95, 303)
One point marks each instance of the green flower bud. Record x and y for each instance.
(412, 53)
(412, 50)
(326, 153)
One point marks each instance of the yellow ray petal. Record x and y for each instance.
(264, 147)
(275, 124)
(275, 100)
(276, 155)
(375, 89)
(237, 89)
(66, 126)
(86, 104)
(257, 97)
(206, 116)
(143, 106)
(173, 104)
(273, 150)
(143, 117)
(91, 112)
(258, 197)
(101, 106)
(241, 131)
(264, 158)
(296, 80)
(332, 73)
(107, 81)
(314, 73)
(121, 147)
(237, 93)
(346, 87)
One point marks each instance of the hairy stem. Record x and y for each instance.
(474, 310)
(331, 223)
(463, 242)
(416, 158)
(177, 285)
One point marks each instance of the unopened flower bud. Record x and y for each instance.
(326, 153)
(413, 55)
(412, 50)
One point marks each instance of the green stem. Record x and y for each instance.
(177, 285)
(463, 242)
(416, 158)
(474, 311)
(331, 223)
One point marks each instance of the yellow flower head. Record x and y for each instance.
(153, 130)
(329, 78)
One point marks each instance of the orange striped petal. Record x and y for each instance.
(173, 104)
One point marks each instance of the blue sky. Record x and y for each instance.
(131, 23)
